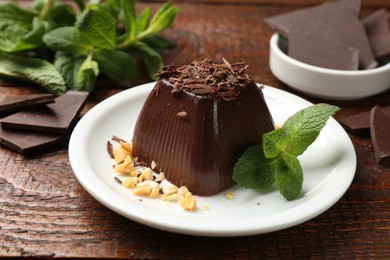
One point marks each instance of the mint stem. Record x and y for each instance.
(46, 9)
(126, 44)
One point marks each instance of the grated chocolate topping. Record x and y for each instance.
(206, 78)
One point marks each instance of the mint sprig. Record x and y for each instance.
(72, 47)
(276, 160)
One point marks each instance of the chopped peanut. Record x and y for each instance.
(142, 183)
(182, 191)
(170, 197)
(160, 177)
(146, 174)
(155, 193)
(153, 165)
(126, 146)
(130, 182)
(188, 202)
(142, 191)
(120, 154)
(126, 167)
(169, 189)
(229, 195)
(149, 183)
(135, 173)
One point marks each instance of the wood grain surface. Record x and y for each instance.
(44, 212)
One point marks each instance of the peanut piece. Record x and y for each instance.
(182, 191)
(155, 193)
(188, 202)
(146, 174)
(169, 189)
(149, 183)
(130, 182)
(120, 154)
(171, 197)
(126, 167)
(160, 177)
(142, 191)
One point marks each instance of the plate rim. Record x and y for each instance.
(180, 226)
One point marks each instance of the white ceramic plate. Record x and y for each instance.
(329, 167)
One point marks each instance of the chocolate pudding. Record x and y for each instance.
(198, 120)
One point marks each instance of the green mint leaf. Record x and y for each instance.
(62, 14)
(274, 142)
(87, 74)
(289, 176)
(151, 58)
(163, 17)
(303, 127)
(33, 70)
(128, 7)
(157, 41)
(277, 156)
(32, 39)
(15, 24)
(11, 13)
(66, 39)
(253, 170)
(97, 28)
(79, 73)
(117, 65)
(142, 20)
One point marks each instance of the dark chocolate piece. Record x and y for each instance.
(352, 5)
(10, 105)
(23, 141)
(58, 117)
(359, 124)
(200, 152)
(333, 21)
(304, 47)
(380, 134)
(378, 32)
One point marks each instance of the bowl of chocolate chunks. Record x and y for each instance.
(328, 51)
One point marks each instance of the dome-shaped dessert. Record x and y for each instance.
(198, 120)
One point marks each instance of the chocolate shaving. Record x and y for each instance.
(205, 78)
(117, 180)
(110, 149)
(117, 139)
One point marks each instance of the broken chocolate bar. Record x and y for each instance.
(58, 117)
(10, 105)
(380, 134)
(378, 32)
(23, 141)
(335, 21)
(304, 47)
(359, 124)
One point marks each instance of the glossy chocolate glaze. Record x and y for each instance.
(196, 139)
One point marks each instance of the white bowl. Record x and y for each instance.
(322, 82)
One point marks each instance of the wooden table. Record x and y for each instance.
(44, 211)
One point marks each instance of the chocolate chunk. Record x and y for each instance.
(378, 32)
(23, 141)
(358, 124)
(10, 105)
(352, 5)
(58, 117)
(334, 21)
(380, 134)
(304, 47)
